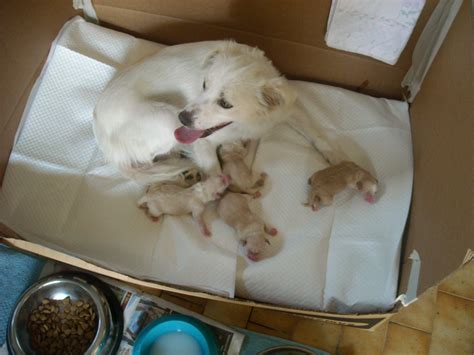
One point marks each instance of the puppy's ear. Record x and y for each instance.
(276, 92)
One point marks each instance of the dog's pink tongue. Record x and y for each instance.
(187, 135)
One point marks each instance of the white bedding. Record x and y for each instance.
(59, 192)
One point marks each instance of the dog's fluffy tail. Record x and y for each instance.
(170, 170)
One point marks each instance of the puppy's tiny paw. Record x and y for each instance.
(206, 232)
(315, 208)
(257, 194)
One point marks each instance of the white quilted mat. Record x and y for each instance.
(57, 191)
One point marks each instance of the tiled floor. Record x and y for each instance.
(440, 322)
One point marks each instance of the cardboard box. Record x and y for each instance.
(440, 227)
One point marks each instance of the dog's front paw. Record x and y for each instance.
(261, 181)
(190, 177)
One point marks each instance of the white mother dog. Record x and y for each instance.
(189, 99)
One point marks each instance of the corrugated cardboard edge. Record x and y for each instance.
(365, 321)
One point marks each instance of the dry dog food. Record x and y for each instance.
(62, 327)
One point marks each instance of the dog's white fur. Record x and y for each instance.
(137, 114)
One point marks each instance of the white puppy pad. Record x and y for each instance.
(59, 192)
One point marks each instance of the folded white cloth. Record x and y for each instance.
(59, 192)
(377, 28)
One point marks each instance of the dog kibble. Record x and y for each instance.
(62, 327)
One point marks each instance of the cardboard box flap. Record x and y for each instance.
(441, 224)
(291, 33)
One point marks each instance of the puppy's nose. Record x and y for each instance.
(186, 117)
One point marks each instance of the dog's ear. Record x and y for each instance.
(210, 59)
(276, 92)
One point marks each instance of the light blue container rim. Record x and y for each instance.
(176, 323)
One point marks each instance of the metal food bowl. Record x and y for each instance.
(77, 286)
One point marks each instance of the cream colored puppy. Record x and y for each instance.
(175, 200)
(234, 210)
(328, 182)
(232, 157)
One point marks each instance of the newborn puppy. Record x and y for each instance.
(176, 200)
(328, 182)
(235, 211)
(232, 157)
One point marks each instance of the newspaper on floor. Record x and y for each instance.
(140, 309)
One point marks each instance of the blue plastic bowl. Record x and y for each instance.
(192, 327)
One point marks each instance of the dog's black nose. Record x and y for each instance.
(186, 118)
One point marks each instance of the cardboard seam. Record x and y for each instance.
(410, 326)
(456, 295)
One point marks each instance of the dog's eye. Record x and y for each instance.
(204, 85)
(224, 104)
